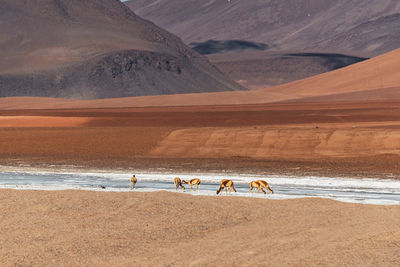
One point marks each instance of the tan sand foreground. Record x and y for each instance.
(71, 228)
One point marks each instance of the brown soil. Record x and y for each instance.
(70, 228)
(356, 139)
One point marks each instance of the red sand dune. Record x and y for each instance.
(377, 73)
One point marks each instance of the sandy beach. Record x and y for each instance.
(69, 228)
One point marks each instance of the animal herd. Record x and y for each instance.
(225, 184)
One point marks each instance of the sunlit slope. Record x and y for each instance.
(381, 72)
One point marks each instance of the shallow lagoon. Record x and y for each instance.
(367, 191)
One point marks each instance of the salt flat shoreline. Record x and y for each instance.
(334, 168)
(366, 190)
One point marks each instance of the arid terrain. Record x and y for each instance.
(90, 87)
(259, 69)
(356, 139)
(348, 126)
(68, 228)
(95, 49)
(376, 79)
(254, 41)
(334, 26)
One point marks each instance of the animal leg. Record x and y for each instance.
(233, 188)
(272, 191)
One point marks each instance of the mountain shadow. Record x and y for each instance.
(214, 46)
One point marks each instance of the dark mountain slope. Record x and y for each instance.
(367, 25)
(95, 49)
(230, 31)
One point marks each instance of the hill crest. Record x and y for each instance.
(95, 49)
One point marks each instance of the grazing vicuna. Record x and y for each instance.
(133, 182)
(178, 182)
(256, 185)
(265, 185)
(227, 184)
(195, 181)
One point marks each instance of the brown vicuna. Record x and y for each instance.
(228, 185)
(195, 181)
(178, 182)
(133, 182)
(265, 185)
(256, 185)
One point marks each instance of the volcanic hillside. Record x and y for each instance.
(360, 25)
(279, 41)
(95, 49)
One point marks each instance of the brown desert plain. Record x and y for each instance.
(341, 123)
